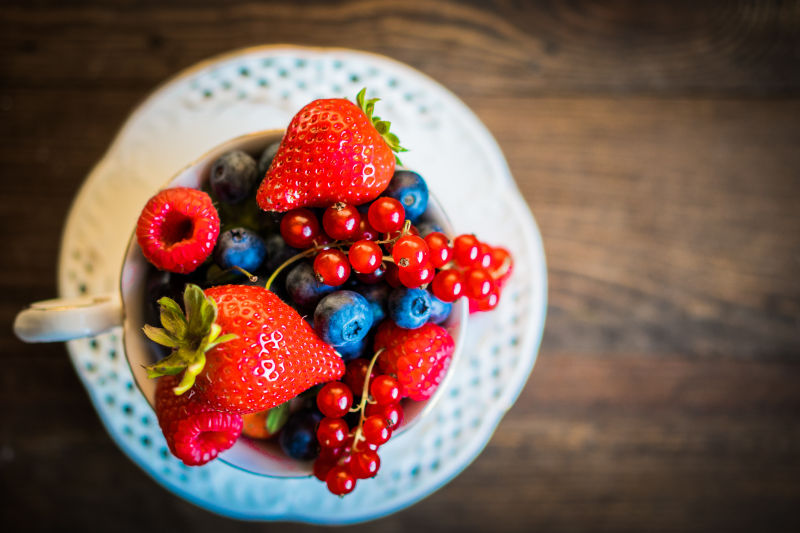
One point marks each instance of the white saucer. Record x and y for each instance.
(261, 88)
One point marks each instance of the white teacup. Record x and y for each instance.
(66, 319)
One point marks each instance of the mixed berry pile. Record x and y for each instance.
(303, 295)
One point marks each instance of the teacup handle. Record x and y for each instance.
(66, 319)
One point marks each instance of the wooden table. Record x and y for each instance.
(658, 147)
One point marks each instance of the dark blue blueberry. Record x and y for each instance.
(266, 158)
(426, 228)
(352, 350)
(298, 438)
(240, 247)
(409, 308)
(233, 176)
(342, 317)
(409, 189)
(303, 287)
(277, 252)
(439, 310)
(377, 296)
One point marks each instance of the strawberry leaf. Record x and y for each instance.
(172, 317)
(160, 336)
(382, 126)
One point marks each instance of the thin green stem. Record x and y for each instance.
(364, 399)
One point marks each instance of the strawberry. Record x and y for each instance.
(419, 358)
(195, 433)
(177, 229)
(242, 348)
(333, 151)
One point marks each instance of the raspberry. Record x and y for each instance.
(419, 358)
(177, 229)
(195, 433)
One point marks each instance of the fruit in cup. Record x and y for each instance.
(373, 285)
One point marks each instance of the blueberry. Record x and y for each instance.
(266, 158)
(298, 438)
(409, 189)
(376, 296)
(439, 310)
(303, 287)
(233, 176)
(426, 228)
(240, 247)
(409, 308)
(352, 350)
(277, 252)
(342, 317)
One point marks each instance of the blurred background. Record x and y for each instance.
(656, 143)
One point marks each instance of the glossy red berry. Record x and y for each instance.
(392, 275)
(416, 278)
(501, 265)
(332, 432)
(376, 430)
(410, 252)
(440, 251)
(334, 399)
(478, 283)
(340, 481)
(332, 455)
(448, 285)
(322, 467)
(365, 464)
(484, 256)
(299, 228)
(331, 267)
(488, 302)
(384, 390)
(366, 232)
(386, 214)
(362, 445)
(354, 375)
(365, 256)
(341, 221)
(466, 249)
(392, 413)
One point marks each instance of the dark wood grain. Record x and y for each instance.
(657, 146)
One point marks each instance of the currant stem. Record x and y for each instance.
(364, 399)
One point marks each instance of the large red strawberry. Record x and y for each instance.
(195, 433)
(419, 358)
(242, 348)
(177, 229)
(333, 151)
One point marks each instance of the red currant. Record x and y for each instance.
(365, 464)
(439, 247)
(321, 468)
(466, 249)
(332, 432)
(386, 214)
(392, 413)
(448, 285)
(341, 221)
(332, 455)
(477, 283)
(354, 375)
(488, 302)
(384, 390)
(299, 228)
(366, 232)
(375, 277)
(392, 273)
(332, 267)
(501, 264)
(365, 256)
(334, 399)
(340, 481)
(410, 252)
(362, 445)
(484, 256)
(416, 278)
(376, 430)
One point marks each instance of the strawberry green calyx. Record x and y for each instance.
(190, 336)
(368, 107)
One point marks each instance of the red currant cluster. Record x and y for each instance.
(352, 243)
(349, 454)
